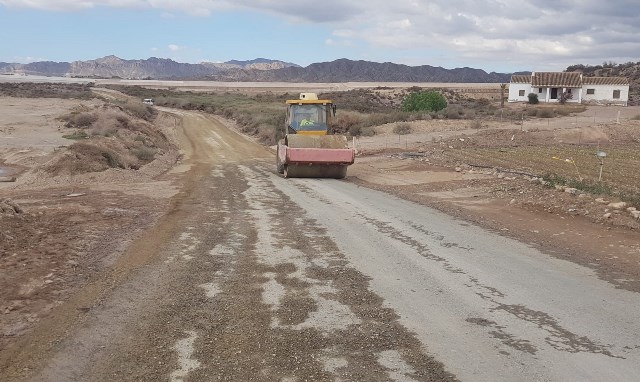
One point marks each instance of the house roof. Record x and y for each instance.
(565, 80)
(520, 79)
(556, 79)
(605, 81)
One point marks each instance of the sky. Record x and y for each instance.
(494, 35)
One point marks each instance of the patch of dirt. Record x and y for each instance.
(71, 213)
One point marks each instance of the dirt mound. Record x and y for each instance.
(9, 207)
(109, 136)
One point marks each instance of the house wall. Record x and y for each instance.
(574, 91)
(514, 96)
(604, 94)
(514, 90)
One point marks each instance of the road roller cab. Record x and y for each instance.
(307, 150)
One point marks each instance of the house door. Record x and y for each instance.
(554, 93)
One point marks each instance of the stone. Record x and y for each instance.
(631, 209)
(618, 205)
(458, 169)
(602, 201)
(572, 191)
(583, 195)
(635, 215)
(534, 180)
(607, 215)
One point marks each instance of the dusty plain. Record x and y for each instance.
(69, 246)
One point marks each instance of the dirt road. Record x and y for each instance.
(250, 276)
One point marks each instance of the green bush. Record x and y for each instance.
(533, 98)
(424, 101)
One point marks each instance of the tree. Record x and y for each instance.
(564, 97)
(533, 98)
(424, 101)
(503, 87)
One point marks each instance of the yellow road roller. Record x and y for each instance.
(307, 150)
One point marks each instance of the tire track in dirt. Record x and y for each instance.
(233, 283)
(28, 354)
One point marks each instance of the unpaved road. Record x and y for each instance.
(250, 276)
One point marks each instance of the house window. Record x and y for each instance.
(521, 93)
(616, 94)
(539, 90)
(591, 91)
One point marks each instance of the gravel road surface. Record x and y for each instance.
(250, 276)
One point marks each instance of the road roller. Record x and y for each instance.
(308, 149)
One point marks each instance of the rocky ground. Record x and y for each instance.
(60, 231)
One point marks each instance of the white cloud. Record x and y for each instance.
(474, 32)
(27, 59)
(174, 47)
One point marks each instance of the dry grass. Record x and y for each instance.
(112, 136)
(45, 90)
(621, 168)
(402, 129)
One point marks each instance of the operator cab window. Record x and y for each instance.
(315, 115)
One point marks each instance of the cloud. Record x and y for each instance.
(174, 47)
(525, 34)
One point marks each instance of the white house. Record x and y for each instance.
(549, 86)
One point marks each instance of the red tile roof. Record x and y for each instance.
(565, 80)
(605, 81)
(520, 79)
(557, 79)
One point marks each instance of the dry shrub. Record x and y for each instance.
(94, 156)
(475, 124)
(545, 113)
(138, 109)
(531, 112)
(266, 134)
(346, 122)
(367, 131)
(454, 112)
(117, 139)
(145, 154)
(402, 129)
(79, 118)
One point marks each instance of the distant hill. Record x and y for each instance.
(630, 70)
(260, 69)
(344, 70)
(261, 64)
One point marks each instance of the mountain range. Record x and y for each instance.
(261, 69)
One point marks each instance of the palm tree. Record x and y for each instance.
(502, 89)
